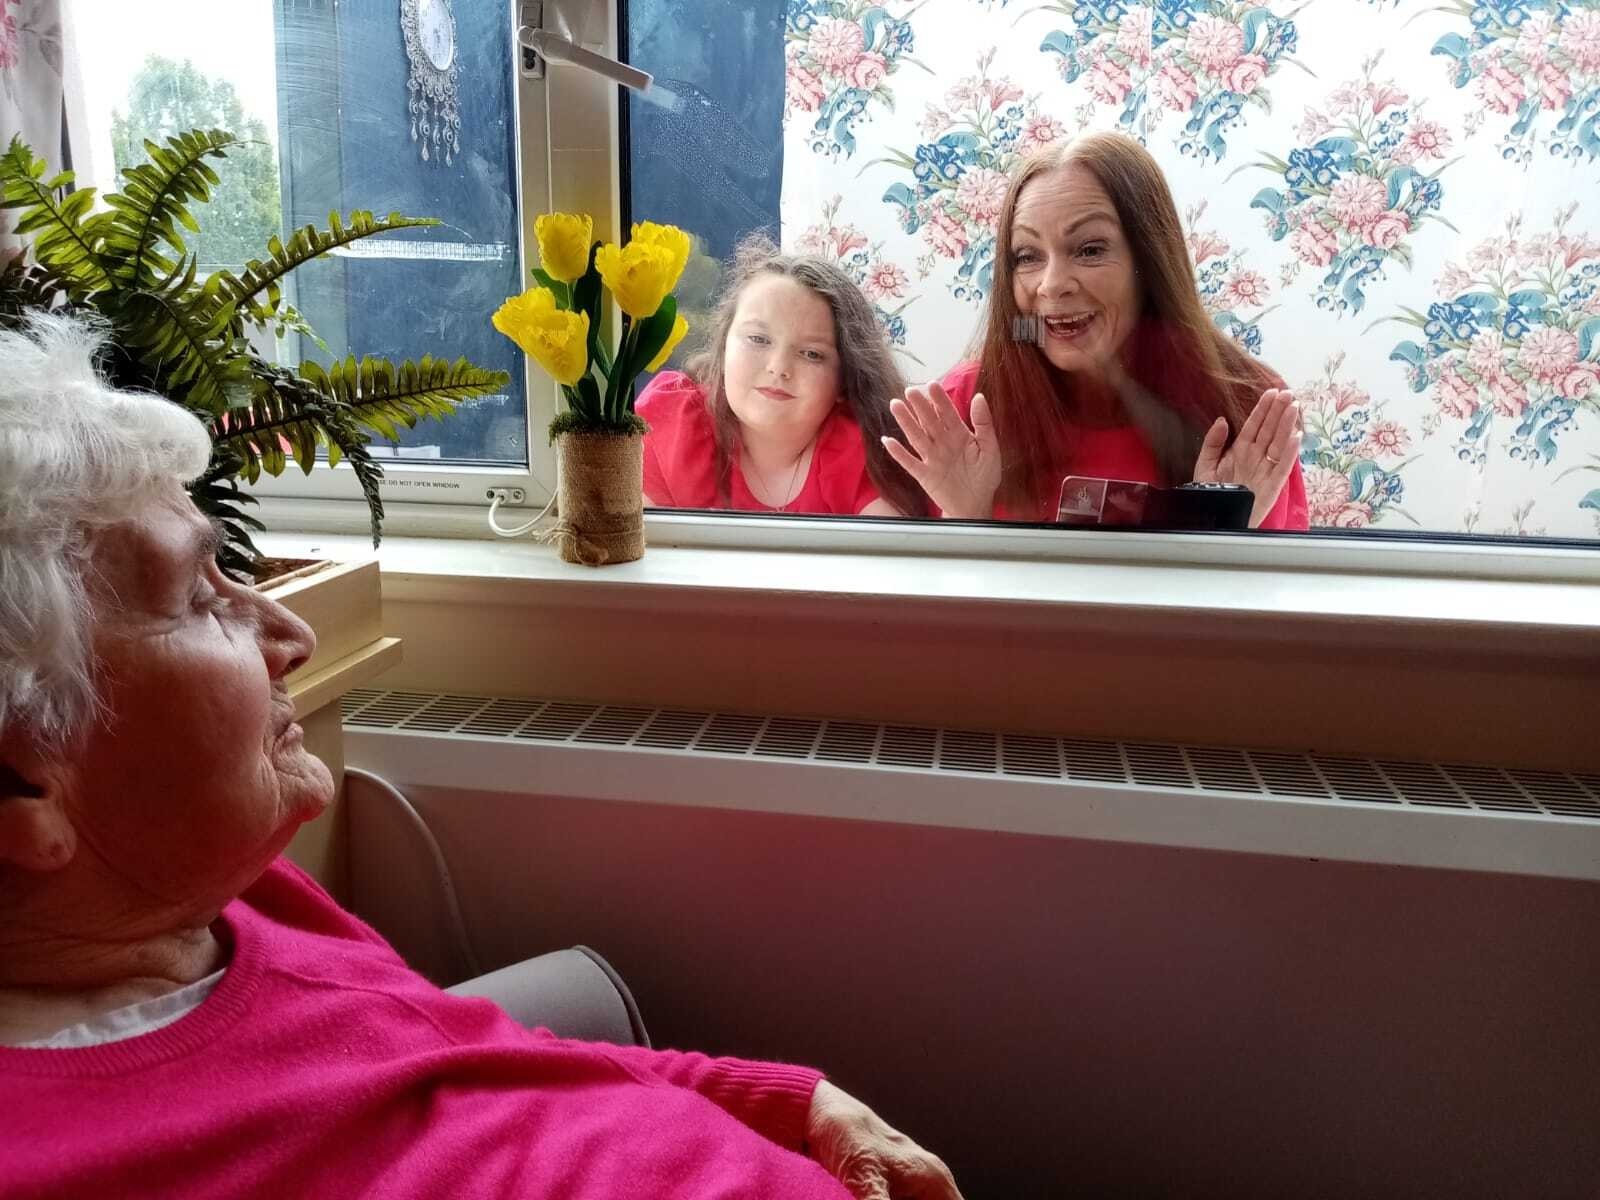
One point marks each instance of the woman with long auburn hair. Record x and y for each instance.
(1098, 358)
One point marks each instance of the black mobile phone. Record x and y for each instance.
(1086, 500)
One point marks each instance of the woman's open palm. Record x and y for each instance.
(958, 467)
(1261, 457)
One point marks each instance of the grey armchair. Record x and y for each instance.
(573, 993)
(400, 883)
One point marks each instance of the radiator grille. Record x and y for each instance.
(1272, 773)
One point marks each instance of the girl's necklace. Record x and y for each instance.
(794, 478)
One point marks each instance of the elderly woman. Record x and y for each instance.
(184, 1013)
(1098, 359)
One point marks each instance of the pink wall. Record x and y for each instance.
(1062, 1017)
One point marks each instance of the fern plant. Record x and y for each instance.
(185, 337)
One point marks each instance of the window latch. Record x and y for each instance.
(537, 45)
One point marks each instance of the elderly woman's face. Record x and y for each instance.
(197, 777)
(1072, 268)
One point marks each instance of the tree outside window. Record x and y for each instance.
(169, 97)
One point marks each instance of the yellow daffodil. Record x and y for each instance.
(564, 241)
(669, 238)
(558, 341)
(679, 328)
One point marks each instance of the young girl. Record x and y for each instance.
(786, 409)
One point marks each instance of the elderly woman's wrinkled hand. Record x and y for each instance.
(958, 467)
(871, 1159)
(1261, 457)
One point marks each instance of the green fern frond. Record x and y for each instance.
(25, 287)
(153, 202)
(384, 397)
(184, 338)
(258, 292)
(66, 233)
(188, 343)
(219, 497)
(290, 319)
(288, 416)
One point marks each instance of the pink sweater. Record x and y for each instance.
(323, 1066)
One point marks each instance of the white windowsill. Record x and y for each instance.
(1259, 609)
(1557, 617)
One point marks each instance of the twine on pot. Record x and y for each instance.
(601, 492)
(574, 546)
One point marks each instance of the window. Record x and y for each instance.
(1332, 166)
(320, 94)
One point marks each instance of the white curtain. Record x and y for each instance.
(31, 93)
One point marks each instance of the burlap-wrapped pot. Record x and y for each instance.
(601, 497)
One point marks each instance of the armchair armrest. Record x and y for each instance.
(573, 993)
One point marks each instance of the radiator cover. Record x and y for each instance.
(1418, 813)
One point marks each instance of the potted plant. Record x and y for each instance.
(598, 436)
(183, 336)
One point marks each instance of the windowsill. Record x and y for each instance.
(1536, 616)
(1287, 644)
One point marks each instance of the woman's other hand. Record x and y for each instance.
(958, 467)
(872, 1160)
(1261, 457)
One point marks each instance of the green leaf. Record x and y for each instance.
(561, 291)
(614, 381)
(66, 234)
(256, 292)
(25, 286)
(586, 296)
(153, 202)
(589, 403)
(184, 338)
(653, 334)
(219, 497)
(187, 342)
(385, 397)
(297, 412)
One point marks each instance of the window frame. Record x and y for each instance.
(1500, 559)
(571, 136)
(414, 481)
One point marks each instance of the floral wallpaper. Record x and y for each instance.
(1393, 203)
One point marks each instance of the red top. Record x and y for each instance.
(1120, 452)
(680, 464)
(323, 1066)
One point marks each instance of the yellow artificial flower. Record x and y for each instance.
(679, 328)
(639, 275)
(564, 241)
(558, 341)
(643, 273)
(671, 239)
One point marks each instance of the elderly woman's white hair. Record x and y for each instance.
(75, 456)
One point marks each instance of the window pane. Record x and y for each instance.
(1331, 167)
(321, 93)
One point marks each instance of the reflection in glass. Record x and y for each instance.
(787, 409)
(1442, 340)
(1098, 360)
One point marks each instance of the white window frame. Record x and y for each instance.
(415, 481)
(567, 137)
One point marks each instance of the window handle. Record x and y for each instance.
(540, 45)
